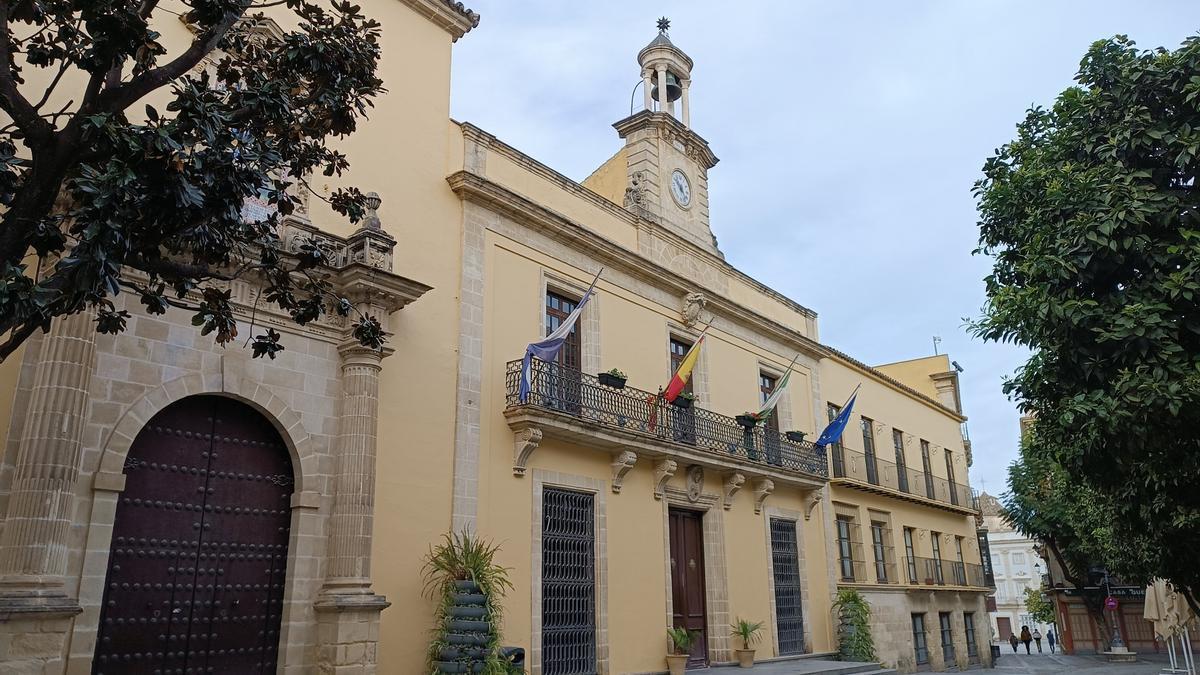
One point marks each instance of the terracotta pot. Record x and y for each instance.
(745, 658)
(677, 663)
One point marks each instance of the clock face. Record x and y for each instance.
(681, 190)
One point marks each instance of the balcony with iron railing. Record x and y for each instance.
(873, 474)
(568, 404)
(915, 571)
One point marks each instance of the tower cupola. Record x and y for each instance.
(666, 74)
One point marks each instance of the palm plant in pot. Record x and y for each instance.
(682, 641)
(462, 576)
(748, 631)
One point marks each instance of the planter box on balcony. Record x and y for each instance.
(747, 421)
(610, 380)
(795, 436)
(681, 402)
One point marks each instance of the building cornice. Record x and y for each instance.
(853, 363)
(672, 129)
(492, 143)
(479, 189)
(452, 17)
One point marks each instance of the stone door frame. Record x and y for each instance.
(305, 547)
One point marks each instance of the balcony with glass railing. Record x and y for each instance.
(574, 406)
(874, 474)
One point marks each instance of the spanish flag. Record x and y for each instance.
(680, 378)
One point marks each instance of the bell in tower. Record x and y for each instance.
(666, 74)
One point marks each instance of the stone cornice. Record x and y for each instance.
(854, 363)
(453, 17)
(477, 188)
(492, 143)
(670, 128)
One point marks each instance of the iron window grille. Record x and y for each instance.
(568, 583)
(785, 562)
(947, 638)
(969, 627)
(920, 646)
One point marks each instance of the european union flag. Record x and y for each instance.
(834, 431)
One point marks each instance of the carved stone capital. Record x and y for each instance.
(763, 487)
(663, 470)
(621, 465)
(733, 483)
(813, 498)
(525, 442)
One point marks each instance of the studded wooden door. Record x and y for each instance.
(199, 549)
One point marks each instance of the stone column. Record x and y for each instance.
(348, 608)
(686, 84)
(663, 103)
(34, 546)
(646, 88)
(36, 612)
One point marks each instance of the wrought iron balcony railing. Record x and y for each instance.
(879, 472)
(567, 390)
(934, 572)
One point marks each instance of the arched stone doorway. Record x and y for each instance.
(195, 579)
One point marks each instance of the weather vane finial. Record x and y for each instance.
(663, 24)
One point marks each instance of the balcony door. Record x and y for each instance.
(683, 420)
(562, 385)
(868, 434)
(927, 468)
(950, 477)
(901, 465)
(687, 580)
(766, 388)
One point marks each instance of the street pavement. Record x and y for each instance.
(1035, 663)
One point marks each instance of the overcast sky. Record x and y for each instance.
(849, 135)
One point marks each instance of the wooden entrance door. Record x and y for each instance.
(1004, 627)
(687, 580)
(199, 549)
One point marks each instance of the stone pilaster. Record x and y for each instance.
(349, 609)
(34, 546)
(36, 611)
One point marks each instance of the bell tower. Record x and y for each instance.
(667, 163)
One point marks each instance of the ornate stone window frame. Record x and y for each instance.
(797, 518)
(716, 579)
(589, 323)
(543, 478)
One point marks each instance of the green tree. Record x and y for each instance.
(1090, 215)
(102, 187)
(1038, 606)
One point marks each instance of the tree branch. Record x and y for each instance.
(121, 97)
(11, 99)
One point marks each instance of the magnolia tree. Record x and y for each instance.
(102, 193)
(1091, 217)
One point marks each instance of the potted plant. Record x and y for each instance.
(613, 378)
(684, 400)
(748, 631)
(747, 420)
(462, 577)
(796, 436)
(682, 640)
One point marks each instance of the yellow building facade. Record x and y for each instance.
(676, 516)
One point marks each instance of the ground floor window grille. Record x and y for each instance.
(969, 625)
(568, 583)
(785, 561)
(947, 638)
(920, 647)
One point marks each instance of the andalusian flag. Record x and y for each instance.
(773, 400)
(680, 379)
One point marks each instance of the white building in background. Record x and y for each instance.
(1016, 566)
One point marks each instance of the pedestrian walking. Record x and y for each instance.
(1037, 638)
(1050, 639)
(1012, 640)
(1026, 638)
